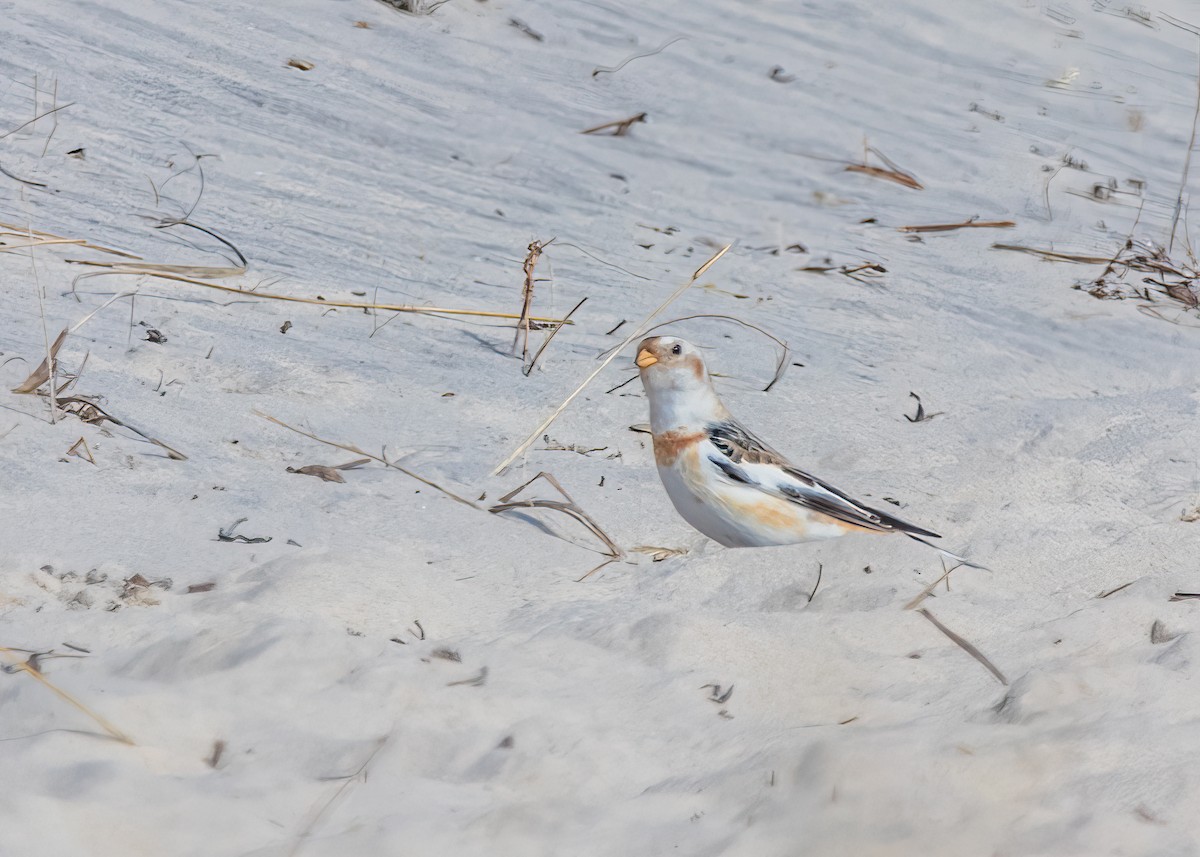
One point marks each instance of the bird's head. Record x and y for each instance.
(676, 380)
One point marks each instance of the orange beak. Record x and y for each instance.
(645, 359)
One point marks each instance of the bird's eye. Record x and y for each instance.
(676, 348)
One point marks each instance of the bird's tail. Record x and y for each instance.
(944, 552)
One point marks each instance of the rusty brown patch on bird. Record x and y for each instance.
(669, 445)
(697, 366)
(789, 517)
(774, 515)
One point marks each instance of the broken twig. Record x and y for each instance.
(619, 128)
(965, 646)
(570, 507)
(966, 224)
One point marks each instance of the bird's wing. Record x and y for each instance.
(740, 457)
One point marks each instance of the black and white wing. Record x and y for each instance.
(741, 457)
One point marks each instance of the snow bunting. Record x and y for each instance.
(726, 482)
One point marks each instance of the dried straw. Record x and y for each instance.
(137, 270)
(25, 667)
(591, 376)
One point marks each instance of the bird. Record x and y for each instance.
(729, 484)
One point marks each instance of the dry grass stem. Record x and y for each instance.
(30, 669)
(1187, 163)
(90, 412)
(36, 118)
(591, 376)
(203, 272)
(891, 172)
(1053, 255)
(551, 335)
(1175, 280)
(966, 224)
(619, 128)
(1116, 589)
(570, 507)
(161, 275)
(51, 350)
(354, 449)
(50, 238)
(816, 586)
(965, 646)
(27, 182)
(780, 366)
(928, 590)
(604, 564)
(321, 808)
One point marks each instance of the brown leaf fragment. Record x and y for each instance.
(41, 374)
(324, 472)
(1182, 293)
(201, 587)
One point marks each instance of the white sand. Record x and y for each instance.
(1065, 455)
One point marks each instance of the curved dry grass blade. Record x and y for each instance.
(86, 404)
(599, 70)
(22, 666)
(570, 507)
(41, 374)
(780, 367)
(591, 376)
(200, 271)
(552, 334)
(51, 238)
